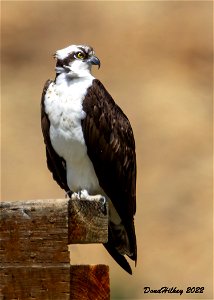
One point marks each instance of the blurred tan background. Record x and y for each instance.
(157, 64)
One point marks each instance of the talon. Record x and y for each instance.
(84, 195)
(75, 196)
(103, 200)
(103, 208)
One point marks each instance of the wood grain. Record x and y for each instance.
(35, 282)
(34, 231)
(85, 278)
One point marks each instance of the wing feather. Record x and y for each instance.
(111, 148)
(55, 163)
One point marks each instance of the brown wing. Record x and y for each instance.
(55, 163)
(111, 148)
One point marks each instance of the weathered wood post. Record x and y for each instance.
(34, 256)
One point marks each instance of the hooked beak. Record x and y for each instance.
(94, 61)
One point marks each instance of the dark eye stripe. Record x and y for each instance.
(72, 56)
(83, 50)
(66, 60)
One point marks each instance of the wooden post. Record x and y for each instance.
(34, 256)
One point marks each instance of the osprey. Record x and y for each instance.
(90, 146)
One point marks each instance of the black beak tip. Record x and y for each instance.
(95, 61)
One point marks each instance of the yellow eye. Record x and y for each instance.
(80, 55)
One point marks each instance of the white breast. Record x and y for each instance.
(63, 104)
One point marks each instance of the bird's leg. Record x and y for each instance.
(84, 195)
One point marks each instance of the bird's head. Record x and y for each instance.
(76, 60)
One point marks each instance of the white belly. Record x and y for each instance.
(63, 104)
